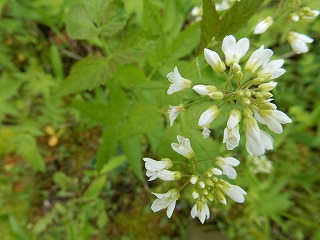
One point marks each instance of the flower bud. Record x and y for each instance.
(246, 101)
(195, 194)
(258, 80)
(217, 95)
(194, 179)
(247, 112)
(201, 184)
(266, 87)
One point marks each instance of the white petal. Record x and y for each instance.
(281, 117)
(229, 171)
(231, 161)
(170, 208)
(194, 211)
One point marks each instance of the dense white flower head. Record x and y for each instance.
(260, 164)
(299, 42)
(165, 200)
(227, 165)
(200, 210)
(234, 50)
(183, 147)
(178, 83)
(208, 116)
(234, 192)
(262, 26)
(173, 112)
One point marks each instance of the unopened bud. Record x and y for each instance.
(201, 184)
(209, 197)
(218, 186)
(209, 182)
(246, 101)
(247, 112)
(195, 194)
(217, 95)
(205, 191)
(266, 95)
(247, 92)
(258, 80)
(240, 93)
(193, 179)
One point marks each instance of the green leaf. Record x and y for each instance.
(132, 148)
(94, 18)
(236, 17)
(17, 230)
(27, 148)
(209, 23)
(141, 119)
(134, 46)
(186, 41)
(113, 163)
(95, 187)
(86, 74)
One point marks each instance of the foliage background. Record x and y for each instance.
(83, 99)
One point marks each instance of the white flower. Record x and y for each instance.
(204, 89)
(206, 132)
(183, 147)
(216, 171)
(262, 26)
(231, 137)
(208, 116)
(273, 119)
(309, 14)
(165, 200)
(258, 58)
(257, 141)
(227, 165)
(295, 18)
(299, 42)
(234, 192)
(258, 146)
(200, 210)
(272, 69)
(267, 87)
(214, 60)
(234, 119)
(178, 83)
(173, 112)
(154, 165)
(233, 50)
(164, 175)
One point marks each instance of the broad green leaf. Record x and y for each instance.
(236, 17)
(108, 146)
(141, 119)
(209, 23)
(132, 148)
(94, 18)
(86, 74)
(186, 41)
(95, 187)
(134, 46)
(113, 163)
(27, 148)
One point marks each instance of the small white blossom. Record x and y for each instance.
(299, 42)
(200, 210)
(273, 119)
(216, 171)
(260, 164)
(234, 50)
(272, 69)
(258, 58)
(178, 83)
(208, 116)
(206, 132)
(154, 165)
(173, 112)
(262, 26)
(204, 89)
(227, 165)
(183, 147)
(164, 175)
(234, 192)
(231, 137)
(165, 200)
(214, 60)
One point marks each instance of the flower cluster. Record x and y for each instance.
(247, 91)
(206, 187)
(260, 164)
(298, 41)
